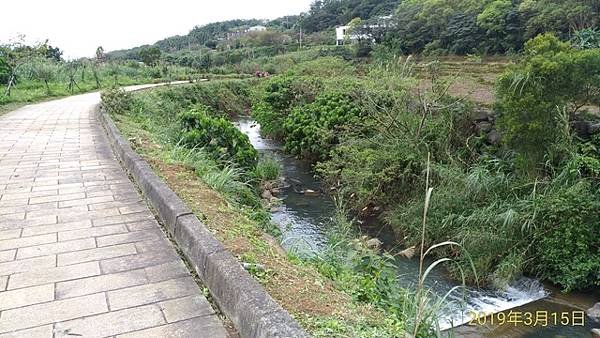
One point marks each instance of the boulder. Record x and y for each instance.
(311, 193)
(408, 253)
(594, 312)
(275, 192)
(374, 244)
(585, 129)
(493, 137)
(266, 195)
(596, 333)
(481, 115)
(484, 127)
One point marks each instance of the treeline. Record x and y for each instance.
(428, 27)
(326, 14)
(485, 27)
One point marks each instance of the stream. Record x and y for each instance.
(302, 220)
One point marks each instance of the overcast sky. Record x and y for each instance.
(78, 27)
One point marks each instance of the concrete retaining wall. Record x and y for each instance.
(242, 299)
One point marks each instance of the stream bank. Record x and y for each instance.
(302, 220)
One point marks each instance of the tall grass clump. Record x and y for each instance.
(267, 169)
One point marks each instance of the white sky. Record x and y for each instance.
(78, 27)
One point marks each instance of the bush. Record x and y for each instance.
(218, 137)
(116, 100)
(552, 78)
(567, 243)
(313, 129)
(278, 96)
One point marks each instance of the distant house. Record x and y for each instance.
(342, 37)
(257, 29)
(340, 34)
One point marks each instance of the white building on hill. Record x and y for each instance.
(257, 29)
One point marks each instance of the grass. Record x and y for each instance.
(472, 80)
(268, 169)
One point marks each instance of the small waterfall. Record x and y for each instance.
(460, 311)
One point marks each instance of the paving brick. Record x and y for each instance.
(95, 254)
(7, 256)
(55, 248)
(185, 308)
(136, 261)
(151, 293)
(26, 296)
(66, 226)
(170, 270)
(112, 323)
(3, 282)
(93, 215)
(27, 241)
(129, 237)
(100, 283)
(46, 313)
(92, 232)
(142, 216)
(56, 198)
(10, 234)
(41, 276)
(46, 207)
(37, 332)
(85, 201)
(64, 215)
(192, 328)
(141, 225)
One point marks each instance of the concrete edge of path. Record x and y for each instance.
(242, 299)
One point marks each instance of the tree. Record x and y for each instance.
(45, 71)
(150, 55)
(15, 55)
(552, 79)
(100, 56)
(54, 53)
(561, 17)
(95, 66)
(72, 68)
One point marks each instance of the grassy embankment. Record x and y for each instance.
(224, 196)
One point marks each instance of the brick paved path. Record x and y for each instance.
(80, 253)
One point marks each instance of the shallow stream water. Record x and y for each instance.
(302, 220)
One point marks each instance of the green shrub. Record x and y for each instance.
(218, 137)
(278, 96)
(567, 242)
(116, 100)
(551, 78)
(313, 129)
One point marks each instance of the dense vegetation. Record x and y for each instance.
(427, 27)
(171, 115)
(507, 204)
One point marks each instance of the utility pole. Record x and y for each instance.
(300, 40)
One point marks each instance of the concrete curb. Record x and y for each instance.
(242, 299)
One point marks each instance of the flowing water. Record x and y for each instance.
(302, 221)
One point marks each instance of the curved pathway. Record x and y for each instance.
(81, 255)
